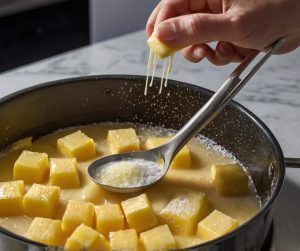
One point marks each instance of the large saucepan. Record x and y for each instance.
(41, 109)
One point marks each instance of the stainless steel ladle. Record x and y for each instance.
(206, 114)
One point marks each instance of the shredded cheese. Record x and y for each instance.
(161, 51)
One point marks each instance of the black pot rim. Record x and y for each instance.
(251, 115)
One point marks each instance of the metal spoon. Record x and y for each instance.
(206, 114)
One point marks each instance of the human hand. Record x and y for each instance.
(240, 26)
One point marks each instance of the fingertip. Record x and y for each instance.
(192, 59)
(194, 53)
(216, 59)
(149, 29)
(224, 48)
(224, 53)
(198, 53)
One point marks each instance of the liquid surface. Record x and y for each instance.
(176, 182)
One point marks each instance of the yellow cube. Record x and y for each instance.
(109, 218)
(183, 213)
(77, 145)
(182, 159)
(159, 238)
(86, 238)
(122, 140)
(184, 242)
(11, 198)
(77, 212)
(31, 167)
(41, 201)
(229, 180)
(124, 240)
(139, 213)
(46, 231)
(160, 49)
(64, 173)
(215, 225)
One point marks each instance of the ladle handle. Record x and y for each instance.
(292, 162)
(218, 101)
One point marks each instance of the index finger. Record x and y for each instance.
(172, 8)
(151, 20)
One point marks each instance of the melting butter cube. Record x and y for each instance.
(183, 213)
(77, 212)
(41, 201)
(86, 238)
(229, 180)
(46, 231)
(159, 238)
(183, 242)
(215, 225)
(11, 198)
(182, 159)
(122, 140)
(109, 218)
(139, 213)
(159, 48)
(31, 167)
(64, 173)
(124, 240)
(77, 145)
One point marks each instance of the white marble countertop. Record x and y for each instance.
(273, 95)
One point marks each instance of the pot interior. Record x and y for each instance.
(43, 109)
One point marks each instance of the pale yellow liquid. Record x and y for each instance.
(176, 181)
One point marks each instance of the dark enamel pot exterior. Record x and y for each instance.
(44, 108)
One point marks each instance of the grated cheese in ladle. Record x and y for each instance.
(129, 173)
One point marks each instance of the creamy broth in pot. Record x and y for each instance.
(176, 185)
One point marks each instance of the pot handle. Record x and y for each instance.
(292, 162)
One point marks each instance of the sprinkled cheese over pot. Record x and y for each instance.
(158, 50)
(129, 173)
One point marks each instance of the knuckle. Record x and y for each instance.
(165, 4)
(241, 24)
(197, 5)
(195, 26)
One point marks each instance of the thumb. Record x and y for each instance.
(195, 29)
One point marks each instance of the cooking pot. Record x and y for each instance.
(41, 109)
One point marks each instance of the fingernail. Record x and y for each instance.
(198, 53)
(166, 32)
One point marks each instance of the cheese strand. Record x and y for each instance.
(148, 71)
(154, 68)
(169, 69)
(162, 77)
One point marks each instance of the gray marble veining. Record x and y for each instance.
(273, 95)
